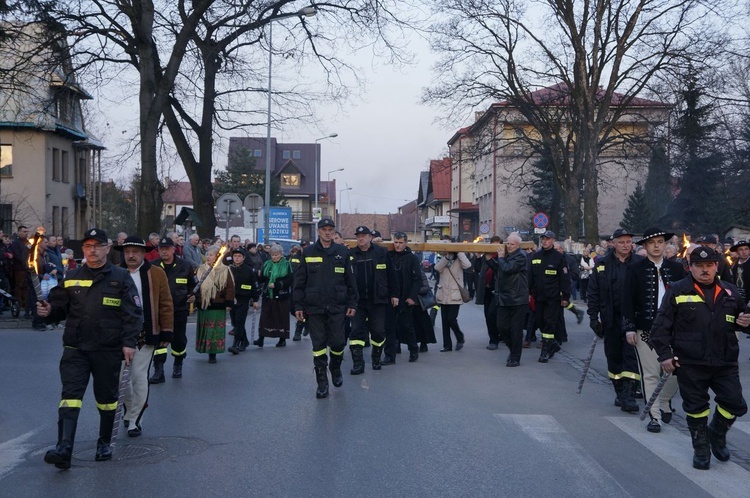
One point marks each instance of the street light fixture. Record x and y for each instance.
(339, 197)
(305, 12)
(317, 167)
(328, 208)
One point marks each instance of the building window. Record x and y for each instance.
(6, 160)
(257, 153)
(296, 154)
(289, 180)
(64, 222)
(56, 165)
(6, 218)
(81, 170)
(286, 154)
(55, 218)
(65, 167)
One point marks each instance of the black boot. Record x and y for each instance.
(158, 376)
(376, 352)
(66, 433)
(628, 396)
(103, 448)
(298, 330)
(335, 366)
(618, 389)
(717, 436)
(234, 349)
(358, 361)
(701, 446)
(554, 347)
(321, 376)
(259, 342)
(544, 355)
(177, 367)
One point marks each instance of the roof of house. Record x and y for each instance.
(440, 176)
(178, 193)
(350, 221)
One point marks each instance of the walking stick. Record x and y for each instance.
(119, 412)
(587, 364)
(652, 399)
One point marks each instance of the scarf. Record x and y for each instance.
(215, 282)
(274, 271)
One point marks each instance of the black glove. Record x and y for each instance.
(596, 326)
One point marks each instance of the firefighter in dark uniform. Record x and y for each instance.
(103, 316)
(246, 294)
(741, 268)
(694, 336)
(324, 293)
(182, 281)
(549, 283)
(725, 270)
(376, 286)
(605, 293)
(294, 260)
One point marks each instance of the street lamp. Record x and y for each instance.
(339, 197)
(328, 208)
(306, 12)
(332, 135)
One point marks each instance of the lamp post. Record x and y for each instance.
(328, 208)
(317, 167)
(339, 197)
(306, 12)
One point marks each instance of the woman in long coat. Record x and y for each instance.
(274, 312)
(215, 298)
(451, 269)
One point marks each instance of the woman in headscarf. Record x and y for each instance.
(274, 311)
(215, 298)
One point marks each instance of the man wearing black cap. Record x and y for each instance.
(103, 316)
(324, 293)
(376, 286)
(741, 268)
(549, 283)
(694, 336)
(181, 281)
(725, 271)
(158, 324)
(247, 292)
(646, 284)
(606, 287)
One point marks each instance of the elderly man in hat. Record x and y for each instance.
(606, 287)
(741, 268)
(324, 293)
(158, 323)
(694, 336)
(100, 304)
(646, 284)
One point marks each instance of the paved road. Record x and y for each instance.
(451, 424)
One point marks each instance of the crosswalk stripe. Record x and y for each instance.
(561, 447)
(724, 479)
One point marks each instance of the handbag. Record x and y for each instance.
(465, 296)
(427, 300)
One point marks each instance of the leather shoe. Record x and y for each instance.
(423, 348)
(492, 346)
(413, 357)
(135, 431)
(653, 426)
(543, 358)
(513, 363)
(388, 360)
(445, 350)
(103, 451)
(459, 346)
(666, 417)
(526, 344)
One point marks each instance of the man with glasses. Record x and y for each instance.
(100, 304)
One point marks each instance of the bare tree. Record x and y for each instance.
(594, 57)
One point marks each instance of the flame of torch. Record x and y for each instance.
(685, 245)
(33, 263)
(728, 257)
(479, 239)
(220, 255)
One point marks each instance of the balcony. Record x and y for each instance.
(437, 221)
(302, 217)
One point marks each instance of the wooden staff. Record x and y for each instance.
(444, 247)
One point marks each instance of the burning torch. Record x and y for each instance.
(219, 257)
(33, 263)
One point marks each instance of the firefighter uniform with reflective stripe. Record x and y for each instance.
(697, 325)
(324, 288)
(182, 281)
(549, 283)
(246, 291)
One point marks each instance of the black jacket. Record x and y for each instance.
(324, 282)
(100, 308)
(606, 288)
(549, 279)
(641, 295)
(511, 279)
(181, 280)
(408, 272)
(246, 285)
(694, 331)
(374, 274)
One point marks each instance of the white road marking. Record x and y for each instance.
(364, 384)
(12, 452)
(563, 448)
(723, 479)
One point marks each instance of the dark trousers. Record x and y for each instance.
(326, 331)
(510, 322)
(470, 280)
(696, 380)
(369, 319)
(449, 320)
(490, 316)
(77, 366)
(530, 325)
(238, 315)
(622, 360)
(22, 289)
(399, 330)
(547, 318)
(179, 341)
(584, 283)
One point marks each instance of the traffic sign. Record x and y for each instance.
(540, 230)
(509, 229)
(540, 220)
(484, 228)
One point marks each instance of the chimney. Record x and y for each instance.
(478, 115)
